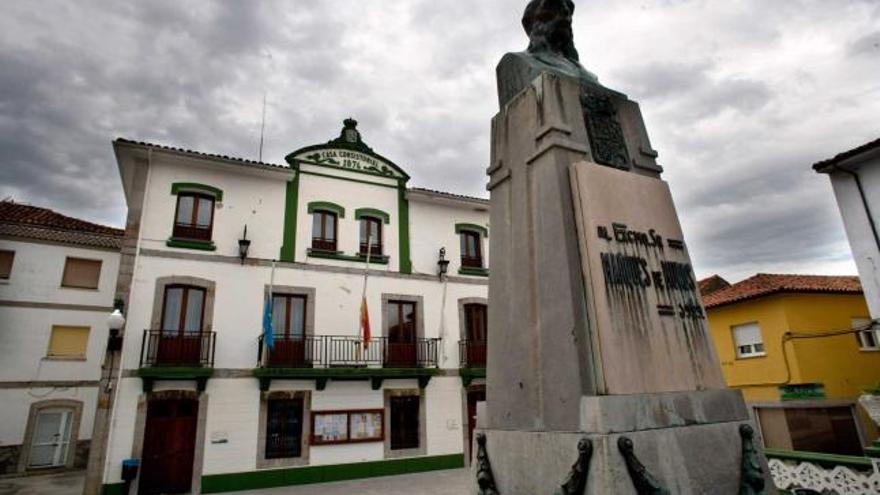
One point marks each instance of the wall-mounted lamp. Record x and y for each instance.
(442, 264)
(243, 245)
(116, 322)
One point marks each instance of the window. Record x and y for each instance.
(869, 337)
(289, 315)
(471, 255)
(404, 422)
(51, 438)
(830, 430)
(475, 322)
(324, 230)
(284, 424)
(182, 310)
(401, 349)
(475, 326)
(68, 342)
(81, 273)
(195, 216)
(371, 231)
(6, 258)
(747, 339)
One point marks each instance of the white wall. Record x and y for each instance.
(250, 197)
(858, 228)
(351, 196)
(238, 304)
(37, 270)
(432, 226)
(17, 403)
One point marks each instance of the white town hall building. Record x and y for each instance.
(200, 400)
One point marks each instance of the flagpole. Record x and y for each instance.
(364, 294)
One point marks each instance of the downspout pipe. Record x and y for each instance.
(858, 180)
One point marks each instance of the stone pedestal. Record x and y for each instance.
(596, 327)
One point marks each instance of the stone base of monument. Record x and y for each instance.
(685, 443)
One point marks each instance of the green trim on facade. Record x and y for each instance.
(269, 478)
(822, 459)
(326, 206)
(469, 374)
(175, 373)
(322, 375)
(403, 228)
(113, 489)
(316, 174)
(178, 187)
(188, 244)
(471, 227)
(372, 212)
(291, 200)
(474, 272)
(339, 255)
(334, 167)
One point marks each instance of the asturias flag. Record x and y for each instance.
(267, 325)
(365, 322)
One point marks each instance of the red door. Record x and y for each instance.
(473, 397)
(180, 343)
(169, 446)
(401, 351)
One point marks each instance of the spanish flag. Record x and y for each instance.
(365, 322)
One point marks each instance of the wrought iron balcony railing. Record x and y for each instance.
(333, 351)
(163, 348)
(472, 353)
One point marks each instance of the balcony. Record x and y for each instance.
(328, 357)
(472, 360)
(472, 353)
(175, 356)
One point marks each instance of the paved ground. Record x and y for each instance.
(50, 484)
(449, 482)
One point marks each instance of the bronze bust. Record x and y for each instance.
(551, 49)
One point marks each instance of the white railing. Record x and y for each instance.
(842, 480)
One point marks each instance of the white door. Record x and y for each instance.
(51, 438)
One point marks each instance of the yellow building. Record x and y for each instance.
(802, 349)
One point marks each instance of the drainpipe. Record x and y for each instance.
(871, 221)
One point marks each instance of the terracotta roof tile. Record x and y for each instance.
(712, 284)
(765, 284)
(449, 194)
(34, 222)
(201, 154)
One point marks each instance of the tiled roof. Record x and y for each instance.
(712, 284)
(34, 222)
(201, 154)
(449, 194)
(826, 165)
(765, 284)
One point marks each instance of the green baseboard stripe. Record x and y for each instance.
(269, 478)
(113, 489)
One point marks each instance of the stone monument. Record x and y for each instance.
(602, 377)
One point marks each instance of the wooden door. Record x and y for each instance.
(180, 343)
(473, 396)
(401, 351)
(169, 446)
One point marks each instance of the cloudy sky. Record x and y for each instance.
(740, 98)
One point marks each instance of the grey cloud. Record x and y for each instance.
(728, 104)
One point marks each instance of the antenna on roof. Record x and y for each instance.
(262, 127)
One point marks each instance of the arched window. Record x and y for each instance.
(324, 230)
(371, 232)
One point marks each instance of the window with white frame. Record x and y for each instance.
(747, 339)
(868, 336)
